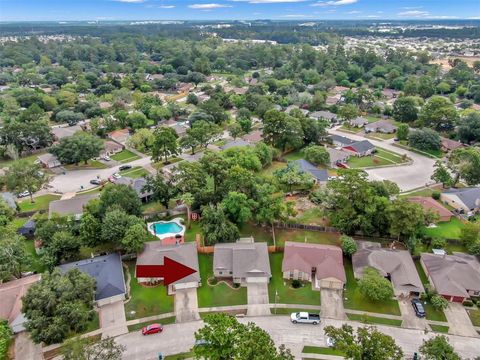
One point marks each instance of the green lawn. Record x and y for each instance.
(125, 156)
(288, 311)
(374, 320)
(348, 128)
(135, 172)
(268, 171)
(91, 164)
(353, 299)
(17, 223)
(379, 135)
(181, 356)
(367, 161)
(35, 263)
(447, 229)
(474, 316)
(41, 203)
(311, 216)
(321, 350)
(166, 321)
(440, 328)
(146, 301)
(285, 293)
(30, 159)
(294, 155)
(422, 192)
(396, 158)
(220, 294)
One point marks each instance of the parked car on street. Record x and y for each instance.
(106, 158)
(125, 167)
(152, 329)
(305, 318)
(418, 308)
(23, 194)
(96, 182)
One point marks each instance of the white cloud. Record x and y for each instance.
(414, 13)
(354, 12)
(166, 6)
(131, 1)
(335, 3)
(473, 18)
(208, 6)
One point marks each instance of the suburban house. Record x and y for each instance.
(395, 265)
(235, 143)
(110, 148)
(253, 137)
(107, 270)
(338, 157)
(324, 115)
(464, 200)
(61, 132)
(104, 105)
(119, 136)
(448, 145)
(28, 229)
(244, 261)
(341, 141)
(70, 207)
(48, 160)
(180, 129)
(456, 277)
(382, 126)
(320, 264)
(428, 203)
(360, 148)
(137, 185)
(9, 199)
(11, 294)
(320, 175)
(332, 99)
(154, 253)
(359, 122)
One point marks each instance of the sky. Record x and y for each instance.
(53, 10)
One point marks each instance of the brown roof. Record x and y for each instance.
(398, 264)
(11, 294)
(112, 146)
(449, 144)
(327, 259)
(453, 275)
(429, 203)
(254, 137)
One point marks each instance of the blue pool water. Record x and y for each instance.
(164, 228)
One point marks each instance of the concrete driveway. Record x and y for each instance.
(332, 304)
(408, 177)
(177, 338)
(410, 320)
(186, 305)
(26, 349)
(459, 321)
(257, 294)
(112, 319)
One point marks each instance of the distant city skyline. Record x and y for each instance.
(71, 10)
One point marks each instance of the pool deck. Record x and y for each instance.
(169, 238)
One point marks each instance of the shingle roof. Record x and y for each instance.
(106, 270)
(62, 132)
(396, 263)
(453, 274)
(235, 143)
(327, 115)
(11, 294)
(46, 158)
(337, 155)
(136, 184)
(359, 121)
(244, 259)
(381, 124)
(73, 206)
(342, 139)
(27, 228)
(154, 252)
(305, 166)
(429, 203)
(362, 146)
(469, 196)
(327, 259)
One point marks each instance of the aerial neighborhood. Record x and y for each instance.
(190, 178)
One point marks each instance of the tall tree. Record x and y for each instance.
(438, 348)
(162, 188)
(374, 286)
(165, 143)
(439, 114)
(23, 176)
(405, 109)
(282, 131)
(216, 227)
(441, 174)
(465, 165)
(78, 147)
(120, 196)
(187, 199)
(13, 255)
(86, 349)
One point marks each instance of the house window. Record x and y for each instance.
(291, 274)
(220, 272)
(230, 272)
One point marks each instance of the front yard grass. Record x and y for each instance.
(474, 316)
(135, 172)
(285, 293)
(125, 156)
(181, 356)
(367, 161)
(440, 328)
(447, 229)
(91, 164)
(41, 203)
(166, 321)
(367, 319)
(321, 350)
(354, 300)
(146, 301)
(219, 295)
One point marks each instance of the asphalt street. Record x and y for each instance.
(177, 338)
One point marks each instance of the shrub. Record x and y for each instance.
(436, 195)
(438, 302)
(374, 286)
(468, 303)
(296, 284)
(349, 246)
(438, 243)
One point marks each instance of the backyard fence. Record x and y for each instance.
(320, 228)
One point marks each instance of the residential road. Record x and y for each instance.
(177, 338)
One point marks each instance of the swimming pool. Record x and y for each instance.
(170, 231)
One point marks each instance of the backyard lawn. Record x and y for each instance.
(35, 263)
(312, 216)
(353, 299)
(285, 293)
(271, 169)
(446, 229)
(219, 295)
(294, 155)
(125, 156)
(41, 203)
(30, 159)
(146, 301)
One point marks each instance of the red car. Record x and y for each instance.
(152, 329)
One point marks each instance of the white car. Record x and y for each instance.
(107, 158)
(116, 176)
(23, 194)
(329, 341)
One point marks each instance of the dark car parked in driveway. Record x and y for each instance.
(125, 167)
(418, 308)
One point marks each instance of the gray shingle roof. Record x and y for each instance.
(305, 166)
(106, 270)
(136, 184)
(244, 259)
(327, 115)
(235, 143)
(469, 196)
(342, 140)
(362, 146)
(73, 206)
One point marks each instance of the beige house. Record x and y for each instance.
(322, 265)
(49, 160)
(464, 200)
(244, 261)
